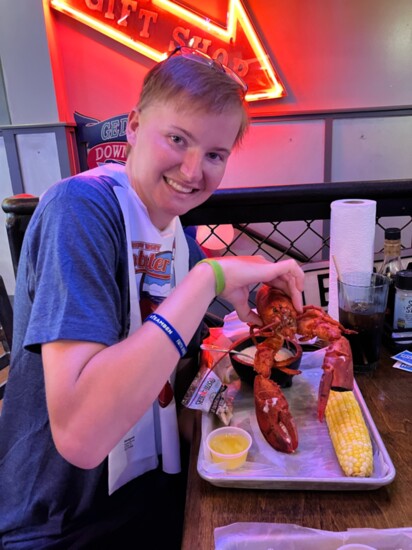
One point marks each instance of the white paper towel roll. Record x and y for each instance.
(352, 237)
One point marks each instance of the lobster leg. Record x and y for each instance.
(337, 372)
(274, 418)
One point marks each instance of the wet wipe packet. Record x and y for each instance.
(216, 383)
(402, 366)
(404, 357)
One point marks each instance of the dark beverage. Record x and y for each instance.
(366, 343)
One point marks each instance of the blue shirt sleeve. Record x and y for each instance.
(74, 266)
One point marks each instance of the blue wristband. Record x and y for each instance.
(170, 331)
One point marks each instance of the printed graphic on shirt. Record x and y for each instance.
(157, 274)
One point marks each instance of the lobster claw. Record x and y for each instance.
(337, 372)
(274, 418)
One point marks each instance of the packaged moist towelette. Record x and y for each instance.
(216, 384)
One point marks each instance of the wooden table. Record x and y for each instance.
(388, 395)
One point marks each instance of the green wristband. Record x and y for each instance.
(219, 275)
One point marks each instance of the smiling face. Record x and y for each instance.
(178, 157)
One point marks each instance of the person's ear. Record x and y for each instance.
(132, 126)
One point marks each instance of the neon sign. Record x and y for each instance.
(155, 27)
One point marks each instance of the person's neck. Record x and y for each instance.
(159, 221)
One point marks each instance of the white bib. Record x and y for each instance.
(157, 261)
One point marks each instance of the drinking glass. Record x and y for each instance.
(362, 304)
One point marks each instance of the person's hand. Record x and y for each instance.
(243, 271)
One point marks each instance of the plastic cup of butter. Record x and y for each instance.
(229, 446)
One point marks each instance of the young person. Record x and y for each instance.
(82, 431)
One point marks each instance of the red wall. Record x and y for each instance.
(330, 55)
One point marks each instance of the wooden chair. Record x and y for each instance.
(6, 334)
(18, 209)
(6, 318)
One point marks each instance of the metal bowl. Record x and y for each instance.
(245, 369)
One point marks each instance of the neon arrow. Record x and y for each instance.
(161, 25)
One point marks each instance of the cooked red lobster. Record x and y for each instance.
(281, 320)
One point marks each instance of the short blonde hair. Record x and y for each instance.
(194, 86)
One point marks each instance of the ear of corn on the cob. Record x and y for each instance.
(349, 434)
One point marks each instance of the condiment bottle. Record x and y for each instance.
(391, 265)
(402, 318)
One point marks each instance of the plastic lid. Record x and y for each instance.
(392, 233)
(403, 280)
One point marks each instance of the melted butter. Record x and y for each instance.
(281, 355)
(228, 444)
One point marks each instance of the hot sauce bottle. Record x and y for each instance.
(402, 319)
(391, 265)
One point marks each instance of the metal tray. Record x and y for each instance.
(314, 465)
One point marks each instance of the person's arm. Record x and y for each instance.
(98, 393)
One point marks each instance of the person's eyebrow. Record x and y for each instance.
(192, 137)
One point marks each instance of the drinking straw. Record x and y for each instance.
(337, 268)
(340, 278)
